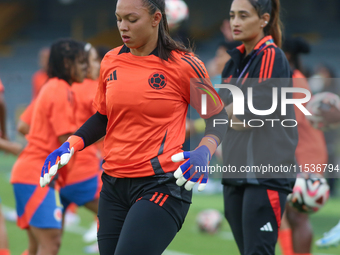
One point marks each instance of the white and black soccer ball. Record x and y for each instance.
(209, 221)
(322, 100)
(310, 192)
(176, 11)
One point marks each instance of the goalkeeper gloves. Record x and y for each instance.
(195, 169)
(59, 158)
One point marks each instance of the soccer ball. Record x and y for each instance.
(209, 221)
(310, 193)
(176, 11)
(322, 100)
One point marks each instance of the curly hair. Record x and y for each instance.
(63, 49)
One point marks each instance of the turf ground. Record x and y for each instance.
(189, 240)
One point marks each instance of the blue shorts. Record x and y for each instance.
(80, 193)
(37, 207)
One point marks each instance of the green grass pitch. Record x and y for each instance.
(189, 241)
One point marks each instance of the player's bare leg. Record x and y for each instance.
(93, 206)
(3, 233)
(302, 232)
(32, 243)
(49, 240)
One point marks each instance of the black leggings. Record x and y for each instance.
(132, 222)
(254, 214)
(147, 229)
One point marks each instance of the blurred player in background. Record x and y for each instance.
(328, 83)
(296, 231)
(330, 116)
(40, 77)
(5, 144)
(3, 235)
(83, 182)
(3, 133)
(142, 101)
(39, 209)
(10, 147)
(254, 203)
(4, 250)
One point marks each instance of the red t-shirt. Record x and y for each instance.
(26, 116)
(39, 78)
(146, 101)
(86, 163)
(53, 116)
(311, 148)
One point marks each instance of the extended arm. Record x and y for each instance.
(90, 132)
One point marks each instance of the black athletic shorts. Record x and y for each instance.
(135, 212)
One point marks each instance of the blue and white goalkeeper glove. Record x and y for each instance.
(59, 158)
(195, 169)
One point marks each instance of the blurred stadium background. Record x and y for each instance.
(28, 25)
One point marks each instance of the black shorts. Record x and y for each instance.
(155, 205)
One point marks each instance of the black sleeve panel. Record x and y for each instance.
(220, 121)
(93, 129)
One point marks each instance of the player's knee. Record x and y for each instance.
(52, 244)
(32, 249)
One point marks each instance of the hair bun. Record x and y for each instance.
(296, 45)
(302, 45)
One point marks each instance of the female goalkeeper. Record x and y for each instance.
(144, 90)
